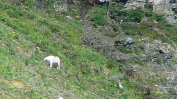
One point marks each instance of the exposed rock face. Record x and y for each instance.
(103, 1)
(157, 54)
(98, 1)
(125, 42)
(160, 89)
(159, 6)
(60, 5)
(156, 58)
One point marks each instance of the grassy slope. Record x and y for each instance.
(26, 37)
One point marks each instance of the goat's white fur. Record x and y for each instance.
(53, 60)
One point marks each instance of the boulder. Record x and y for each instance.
(129, 40)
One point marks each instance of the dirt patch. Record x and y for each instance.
(16, 84)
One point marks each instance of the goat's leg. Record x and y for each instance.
(51, 62)
(58, 66)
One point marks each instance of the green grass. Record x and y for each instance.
(98, 15)
(26, 37)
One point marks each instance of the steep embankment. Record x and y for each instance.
(27, 36)
(150, 61)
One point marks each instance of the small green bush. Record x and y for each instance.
(98, 15)
(118, 13)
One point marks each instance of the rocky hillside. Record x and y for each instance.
(107, 51)
(146, 48)
(28, 35)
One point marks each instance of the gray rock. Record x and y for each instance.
(144, 89)
(160, 89)
(129, 40)
(115, 77)
(130, 70)
(173, 91)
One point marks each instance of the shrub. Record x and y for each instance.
(117, 13)
(97, 15)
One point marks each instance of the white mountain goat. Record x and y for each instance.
(53, 60)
